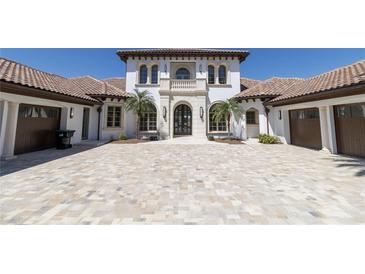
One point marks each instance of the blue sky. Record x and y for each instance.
(261, 64)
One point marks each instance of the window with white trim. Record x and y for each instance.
(216, 126)
(154, 74)
(222, 75)
(148, 120)
(211, 75)
(143, 74)
(114, 116)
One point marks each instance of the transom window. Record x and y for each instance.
(143, 74)
(217, 126)
(114, 116)
(222, 74)
(251, 118)
(183, 74)
(154, 74)
(148, 120)
(211, 76)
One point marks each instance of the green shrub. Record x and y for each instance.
(122, 136)
(211, 138)
(268, 139)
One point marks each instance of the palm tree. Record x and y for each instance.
(222, 111)
(139, 102)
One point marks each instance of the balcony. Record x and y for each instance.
(182, 84)
(191, 85)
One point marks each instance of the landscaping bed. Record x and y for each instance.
(129, 141)
(231, 141)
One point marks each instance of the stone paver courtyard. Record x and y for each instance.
(183, 184)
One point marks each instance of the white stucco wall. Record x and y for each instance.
(248, 131)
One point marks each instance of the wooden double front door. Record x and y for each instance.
(182, 120)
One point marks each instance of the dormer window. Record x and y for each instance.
(183, 74)
(154, 74)
(143, 74)
(222, 75)
(211, 76)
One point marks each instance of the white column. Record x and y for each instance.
(3, 121)
(324, 128)
(286, 125)
(10, 131)
(331, 130)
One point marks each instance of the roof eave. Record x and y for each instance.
(124, 55)
(18, 89)
(322, 95)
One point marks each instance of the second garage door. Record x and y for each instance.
(305, 129)
(36, 128)
(350, 129)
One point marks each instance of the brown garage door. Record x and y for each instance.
(350, 129)
(36, 128)
(305, 129)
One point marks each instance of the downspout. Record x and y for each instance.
(267, 111)
(99, 113)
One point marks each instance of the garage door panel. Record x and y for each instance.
(36, 128)
(350, 129)
(305, 129)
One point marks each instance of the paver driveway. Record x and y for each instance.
(186, 184)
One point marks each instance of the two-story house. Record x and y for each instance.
(185, 84)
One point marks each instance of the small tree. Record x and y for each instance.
(223, 111)
(139, 102)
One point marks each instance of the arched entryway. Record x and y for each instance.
(182, 120)
(252, 122)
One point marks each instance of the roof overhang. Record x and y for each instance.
(44, 94)
(263, 97)
(105, 96)
(323, 95)
(189, 53)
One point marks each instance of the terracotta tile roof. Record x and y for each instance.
(94, 87)
(117, 82)
(184, 52)
(247, 83)
(339, 78)
(16, 73)
(271, 88)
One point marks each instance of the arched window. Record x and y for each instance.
(154, 74)
(182, 74)
(148, 120)
(216, 126)
(222, 75)
(143, 74)
(211, 76)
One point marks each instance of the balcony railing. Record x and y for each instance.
(183, 85)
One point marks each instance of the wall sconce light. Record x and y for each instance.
(201, 112)
(200, 68)
(279, 114)
(165, 68)
(72, 113)
(164, 112)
